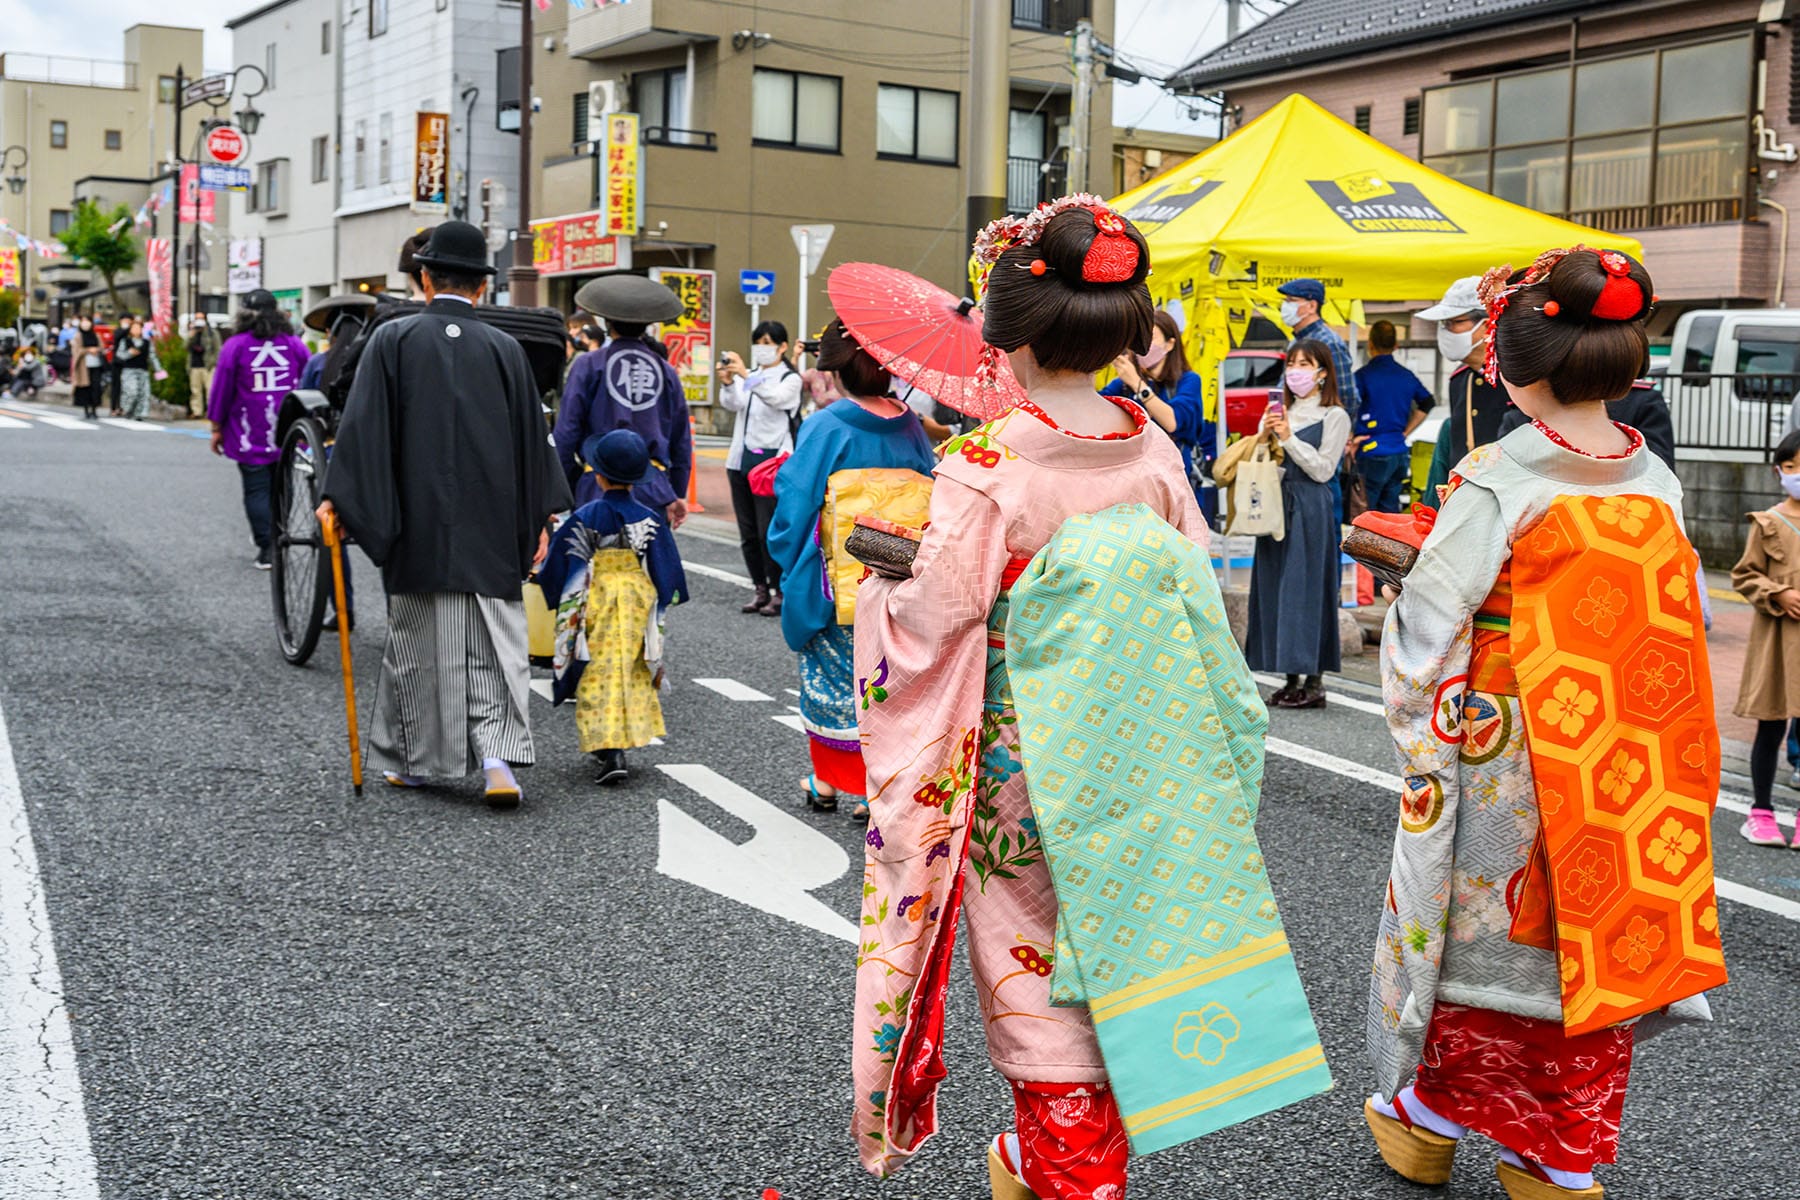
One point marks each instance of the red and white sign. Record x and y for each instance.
(197, 205)
(573, 245)
(161, 256)
(226, 145)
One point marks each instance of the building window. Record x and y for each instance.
(384, 150)
(359, 170)
(916, 123)
(115, 140)
(1656, 137)
(578, 124)
(321, 159)
(1362, 118)
(792, 109)
(165, 89)
(1050, 16)
(661, 99)
(59, 135)
(378, 17)
(60, 220)
(325, 37)
(1409, 120)
(269, 66)
(268, 194)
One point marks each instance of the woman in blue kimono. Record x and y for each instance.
(867, 429)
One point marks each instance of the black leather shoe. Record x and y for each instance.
(331, 623)
(611, 767)
(757, 601)
(1304, 698)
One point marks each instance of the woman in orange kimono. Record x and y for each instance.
(1546, 681)
(1065, 298)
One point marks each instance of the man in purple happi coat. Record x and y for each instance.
(258, 366)
(627, 385)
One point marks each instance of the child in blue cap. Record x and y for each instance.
(612, 572)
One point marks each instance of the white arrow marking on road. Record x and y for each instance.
(44, 1148)
(731, 689)
(774, 871)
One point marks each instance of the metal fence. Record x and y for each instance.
(1031, 181)
(1744, 415)
(82, 72)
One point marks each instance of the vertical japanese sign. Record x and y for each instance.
(243, 265)
(9, 268)
(689, 337)
(196, 204)
(159, 257)
(621, 176)
(431, 164)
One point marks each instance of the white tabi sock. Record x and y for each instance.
(1575, 1181)
(1419, 1114)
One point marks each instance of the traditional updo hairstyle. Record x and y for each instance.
(856, 368)
(1041, 296)
(1580, 328)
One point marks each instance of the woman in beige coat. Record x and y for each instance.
(84, 358)
(1768, 576)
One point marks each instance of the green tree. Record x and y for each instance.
(9, 307)
(171, 358)
(102, 240)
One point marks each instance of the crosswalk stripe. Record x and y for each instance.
(716, 573)
(731, 689)
(61, 422)
(134, 426)
(14, 423)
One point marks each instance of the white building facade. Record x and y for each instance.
(293, 161)
(402, 58)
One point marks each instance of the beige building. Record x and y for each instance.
(854, 115)
(102, 129)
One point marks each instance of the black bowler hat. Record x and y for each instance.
(456, 246)
(620, 456)
(630, 298)
(260, 300)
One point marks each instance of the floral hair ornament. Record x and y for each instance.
(1495, 292)
(1111, 258)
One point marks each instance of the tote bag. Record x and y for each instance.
(1253, 502)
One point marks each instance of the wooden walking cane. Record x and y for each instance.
(332, 539)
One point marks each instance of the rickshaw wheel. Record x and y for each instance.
(302, 567)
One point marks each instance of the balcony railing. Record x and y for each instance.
(81, 72)
(668, 135)
(1031, 181)
(1660, 216)
(1050, 16)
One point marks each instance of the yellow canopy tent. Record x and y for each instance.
(1299, 194)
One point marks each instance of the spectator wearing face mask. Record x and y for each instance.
(1300, 312)
(1476, 406)
(765, 395)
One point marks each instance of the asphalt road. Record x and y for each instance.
(277, 990)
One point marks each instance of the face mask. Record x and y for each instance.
(1302, 380)
(1791, 484)
(1290, 313)
(1152, 358)
(763, 356)
(1456, 346)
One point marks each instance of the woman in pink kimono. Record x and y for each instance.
(1065, 297)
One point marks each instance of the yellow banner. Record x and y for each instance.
(622, 176)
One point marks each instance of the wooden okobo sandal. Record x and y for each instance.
(1003, 1181)
(1414, 1153)
(1523, 1185)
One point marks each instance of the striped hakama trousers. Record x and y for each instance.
(454, 687)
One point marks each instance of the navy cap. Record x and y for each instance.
(620, 456)
(1304, 289)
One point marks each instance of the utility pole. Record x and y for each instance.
(522, 278)
(1234, 15)
(181, 82)
(990, 26)
(1079, 118)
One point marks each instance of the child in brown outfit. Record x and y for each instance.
(1768, 576)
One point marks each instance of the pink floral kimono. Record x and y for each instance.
(951, 830)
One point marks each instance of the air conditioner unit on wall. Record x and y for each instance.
(603, 97)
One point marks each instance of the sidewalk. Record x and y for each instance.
(61, 392)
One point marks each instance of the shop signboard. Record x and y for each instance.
(689, 337)
(621, 176)
(196, 205)
(573, 245)
(243, 265)
(431, 164)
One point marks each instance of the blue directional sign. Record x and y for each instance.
(756, 283)
(216, 178)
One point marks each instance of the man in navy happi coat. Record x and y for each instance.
(627, 385)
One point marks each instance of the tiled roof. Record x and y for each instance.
(1315, 31)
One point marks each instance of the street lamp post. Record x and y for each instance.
(15, 181)
(214, 91)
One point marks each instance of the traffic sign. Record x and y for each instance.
(226, 144)
(811, 241)
(205, 89)
(755, 299)
(215, 178)
(756, 283)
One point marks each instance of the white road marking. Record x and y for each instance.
(794, 692)
(1741, 804)
(775, 871)
(792, 721)
(61, 422)
(1333, 696)
(44, 1148)
(716, 573)
(731, 689)
(134, 426)
(14, 423)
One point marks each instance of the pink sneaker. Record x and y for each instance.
(1760, 828)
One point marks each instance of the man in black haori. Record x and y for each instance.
(444, 474)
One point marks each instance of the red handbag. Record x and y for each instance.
(762, 475)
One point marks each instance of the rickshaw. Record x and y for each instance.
(306, 424)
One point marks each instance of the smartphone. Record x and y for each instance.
(1277, 406)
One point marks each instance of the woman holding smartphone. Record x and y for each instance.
(1294, 581)
(765, 396)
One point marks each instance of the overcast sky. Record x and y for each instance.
(1155, 35)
